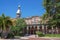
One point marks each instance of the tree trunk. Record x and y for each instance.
(4, 33)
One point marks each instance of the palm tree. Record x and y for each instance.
(0, 25)
(5, 22)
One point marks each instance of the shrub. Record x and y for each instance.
(0, 34)
(40, 34)
(10, 35)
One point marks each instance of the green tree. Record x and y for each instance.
(5, 23)
(20, 24)
(53, 9)
(52, 6)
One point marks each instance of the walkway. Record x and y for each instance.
(33, 37)
(44, 38)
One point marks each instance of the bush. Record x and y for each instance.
(21, 34)
(0, 34)
(40, 34)
(10, 35)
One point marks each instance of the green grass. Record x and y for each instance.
(52, 35)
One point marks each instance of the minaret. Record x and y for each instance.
(18, 13)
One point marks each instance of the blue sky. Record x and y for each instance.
(28, 7)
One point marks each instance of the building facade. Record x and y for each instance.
(34, 24)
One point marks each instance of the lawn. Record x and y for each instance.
(40, 34)
(52, 35)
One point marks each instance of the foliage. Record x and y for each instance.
(18, 28)
(45, 16)
(40, 34)
(53, 12)
(55, 21)
(20, 23)
(52, 6)
(5, 22)
(10, 35)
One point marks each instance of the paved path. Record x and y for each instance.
(44, 38)
(40, 38)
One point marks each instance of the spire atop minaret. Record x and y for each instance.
(18, 12)
(18, 6)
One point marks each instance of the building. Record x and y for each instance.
(34, 24)
(18, 13)
(32, 20)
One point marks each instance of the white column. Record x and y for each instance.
(46, 29)
(30, 29)
(27, 29)
(34, 30)
(38, 28)
(57, 30)
(43, 29)
(34, 27)
(52, 30)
